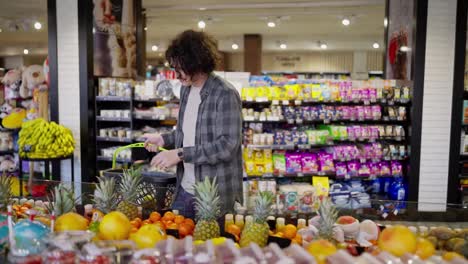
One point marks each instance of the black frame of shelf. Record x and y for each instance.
(456, 158)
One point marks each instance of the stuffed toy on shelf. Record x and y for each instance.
(12, 83)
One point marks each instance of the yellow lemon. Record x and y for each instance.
(71, 222)
(114, 226)
(424, 248)
(147, 236)
(397, 240)
(321, 249)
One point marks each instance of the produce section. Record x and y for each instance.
(110, 230)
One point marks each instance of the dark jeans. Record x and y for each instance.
(184, 203)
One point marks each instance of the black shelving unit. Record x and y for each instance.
(289, 124)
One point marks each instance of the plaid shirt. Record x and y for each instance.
(217, 150)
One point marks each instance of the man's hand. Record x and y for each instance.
(153, 142)
(166, 159)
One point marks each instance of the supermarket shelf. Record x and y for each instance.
(333, 143)
(318, 122)
(112, 99)
(305, 102)
(156, 100)
(102, 158)
(114, 139)
(148, 118)
(112, 119)
(301, 175)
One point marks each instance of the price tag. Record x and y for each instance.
(275, 102)
(347, 176)
(249, 118)
(249, 99)
(298, 102)
(262, 119)
(285, 102)
(366, 103)
(326, 121)
(300, 174)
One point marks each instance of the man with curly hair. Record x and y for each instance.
(207, 139)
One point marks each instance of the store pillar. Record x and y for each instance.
(437, 84)
(253, 53)
(67, 77)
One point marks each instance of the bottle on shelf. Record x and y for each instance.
(301, 223)
(240, 221)
(228, 220)
(280, 224)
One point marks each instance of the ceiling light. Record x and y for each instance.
(234, 46)
(385, 22)
(345, 22)
(283, 46)
(94, 30)
(1, 30)
(166, 64)
(154, 48)
(271, 24)
(26, 51)
(202, 8)
(37, 25)
(146, 28)
(201, 24)
(376, 45)
(323, 46)
(404, 49)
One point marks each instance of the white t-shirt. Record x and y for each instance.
(189, 129)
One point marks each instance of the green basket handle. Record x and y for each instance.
(135, 145)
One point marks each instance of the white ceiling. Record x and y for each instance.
(23, 13)
(302, 24)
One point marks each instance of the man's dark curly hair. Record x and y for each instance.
(194, 52)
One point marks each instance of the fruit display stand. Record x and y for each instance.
(89, 228)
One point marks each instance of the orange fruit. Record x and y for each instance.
(154, 217)
(145, 222)
(135, 223)
(233, 229)
(168, 216)
(178, 219)
(189, 222)
(398, 240)
(184, 230)
(297, 239)
(290, 231)
(138, 220)
(134, 229)
(172, 225)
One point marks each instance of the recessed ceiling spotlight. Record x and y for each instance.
(154, 48)
(345, 21)
(271, 24)
(25, 51)
(201, 24)
(283, 46)
(385, 22)
(234, 46)
(376, 45)
(1, 30)
(37, 25)
(323, 46)
(166, 64)
(146, 28)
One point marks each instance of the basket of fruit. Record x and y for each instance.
(139, 186)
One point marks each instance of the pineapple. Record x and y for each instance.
(207, 210)
(5, 191)
(128, 189)
(63, 200)
(106, 196)
(328, 215)
(257, 231)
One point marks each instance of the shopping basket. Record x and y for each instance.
(157, 188)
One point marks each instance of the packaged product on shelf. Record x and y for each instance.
(309, 163)
(384, 168)
(341, 169)
(279, 162)
(326, 162)
(293, 162)
(303, 139)
(311, 137)
(316, 92)
(397, 168)
(353, 168)
(364, 169)
(288, 198)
